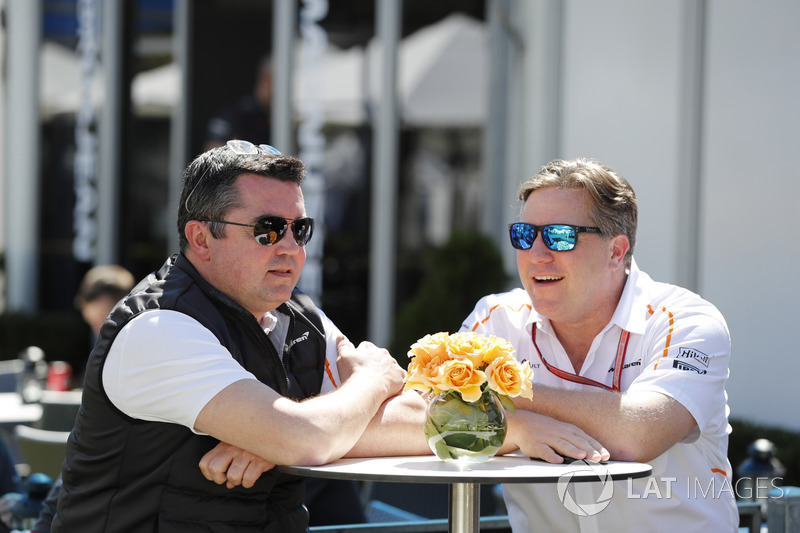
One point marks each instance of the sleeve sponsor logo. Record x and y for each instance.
(682, 365)
(697, 355)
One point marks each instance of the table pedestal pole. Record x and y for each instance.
(464, 508)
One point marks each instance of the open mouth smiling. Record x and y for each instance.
(546, 279)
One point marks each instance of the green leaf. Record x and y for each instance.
(507, 403)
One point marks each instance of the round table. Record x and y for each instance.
(465, 478)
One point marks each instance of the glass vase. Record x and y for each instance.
(465, 431)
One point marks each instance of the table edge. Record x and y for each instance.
(442, 478)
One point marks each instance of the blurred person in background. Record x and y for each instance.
(100, 290)
(249, 117)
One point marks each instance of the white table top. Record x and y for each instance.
(13, 411)
(500, 469)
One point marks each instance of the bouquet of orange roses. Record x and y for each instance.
(471, 378)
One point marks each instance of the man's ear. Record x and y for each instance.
(198, 236)
(619, 247)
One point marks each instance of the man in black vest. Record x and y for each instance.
(218, 345)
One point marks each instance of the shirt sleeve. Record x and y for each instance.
(330, 379)
(686, 358)
(164, 366)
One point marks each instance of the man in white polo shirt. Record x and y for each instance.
(639, 365)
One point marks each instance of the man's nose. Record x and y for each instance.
(539, 250)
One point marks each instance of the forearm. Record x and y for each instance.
(340, 424)
(633, 427)
(396, 429)
(251, 416)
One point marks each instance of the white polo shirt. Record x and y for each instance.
(165, 366)
(679, 346)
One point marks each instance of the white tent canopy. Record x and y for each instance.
(61, 83)
(443, 74)
(154, 92)
(441, 77)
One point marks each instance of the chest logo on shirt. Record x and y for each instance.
(697, 355)
(638, 362)
(301, 338)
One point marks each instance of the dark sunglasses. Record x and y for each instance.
(271, 229)
(557, 237)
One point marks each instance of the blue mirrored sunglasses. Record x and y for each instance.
(557, 237)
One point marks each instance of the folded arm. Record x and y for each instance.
(397, 429)
(636, 426)
(540, 436)
(255, 418)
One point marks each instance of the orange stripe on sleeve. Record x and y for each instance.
(719, 471)
(330, 374)
(483, 321)
(671, 329)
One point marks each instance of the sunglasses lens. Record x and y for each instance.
(238, 146)
(270, 230)
(522, 236)
(269, 149)
(558, 237)
(302, 228)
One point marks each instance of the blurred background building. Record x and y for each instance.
(418, 121)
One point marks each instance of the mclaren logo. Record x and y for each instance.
(301, 338)
(638, 362)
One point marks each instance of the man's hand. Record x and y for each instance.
(376, 363)
(233, 466)
(549, 439)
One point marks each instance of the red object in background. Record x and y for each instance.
(58, 376)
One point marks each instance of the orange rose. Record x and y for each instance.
(414, 379)
(497, 347)
(460, 375)
(427, 354)
(510, 378)
(429, 347)
(469, 345)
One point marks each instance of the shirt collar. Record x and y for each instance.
(626, 315)
(268, 322)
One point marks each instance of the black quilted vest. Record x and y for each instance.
(128, 475)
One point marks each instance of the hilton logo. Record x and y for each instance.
(697, 355)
